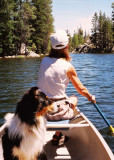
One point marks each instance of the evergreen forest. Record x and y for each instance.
(25, 21)
(30, 22)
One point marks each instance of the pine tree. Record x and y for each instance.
(95, 29)
(23, 14)
(100, 30)
(102, 33)
(27, 15)
(80, 36)
(42, 24)
(107, 35)
(25, 21)
(6, 27)
(75, 41)
(17, 25)
(70, 40)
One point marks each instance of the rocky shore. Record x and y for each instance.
(24, 52)
(88, 48)
(31, 54)
(85, 48)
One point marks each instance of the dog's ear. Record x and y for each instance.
(27, 106)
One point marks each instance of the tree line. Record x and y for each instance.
(25, 21)
(102, 33)
(30, 22)
(77, 38)
(102, 36)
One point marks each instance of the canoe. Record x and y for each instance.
(84, 143)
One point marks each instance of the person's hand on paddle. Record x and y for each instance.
(92, 98)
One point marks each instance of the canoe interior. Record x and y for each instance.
(85, 143)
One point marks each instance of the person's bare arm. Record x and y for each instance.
(71, 73)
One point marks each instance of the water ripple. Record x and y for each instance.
(94, 70)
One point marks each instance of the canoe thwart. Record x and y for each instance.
(63, 125)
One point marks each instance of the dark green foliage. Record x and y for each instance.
(25, 21)
(42, 24)
(27, 15)
(6, 27)
(77, 39)
(102, 33)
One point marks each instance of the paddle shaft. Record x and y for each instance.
(107, 122)
(98, 109)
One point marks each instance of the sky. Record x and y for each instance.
(72, 14)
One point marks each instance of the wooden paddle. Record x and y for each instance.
(107, 122)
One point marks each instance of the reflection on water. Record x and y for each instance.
(94, 70)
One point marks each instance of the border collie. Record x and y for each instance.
(24, 135)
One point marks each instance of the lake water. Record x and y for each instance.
(96, 72)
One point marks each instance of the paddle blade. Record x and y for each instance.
(112, 130)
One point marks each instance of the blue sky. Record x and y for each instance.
(72, 14)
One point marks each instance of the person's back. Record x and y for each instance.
(52, 78)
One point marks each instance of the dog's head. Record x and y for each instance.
(34, 103)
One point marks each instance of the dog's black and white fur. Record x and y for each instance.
(24, 134)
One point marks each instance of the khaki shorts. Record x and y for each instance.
(62, 111)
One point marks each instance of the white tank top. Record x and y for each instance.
(52, 77)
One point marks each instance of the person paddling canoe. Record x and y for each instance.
(54, 75)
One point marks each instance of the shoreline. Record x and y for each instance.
(41, 55)
(24, 56)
